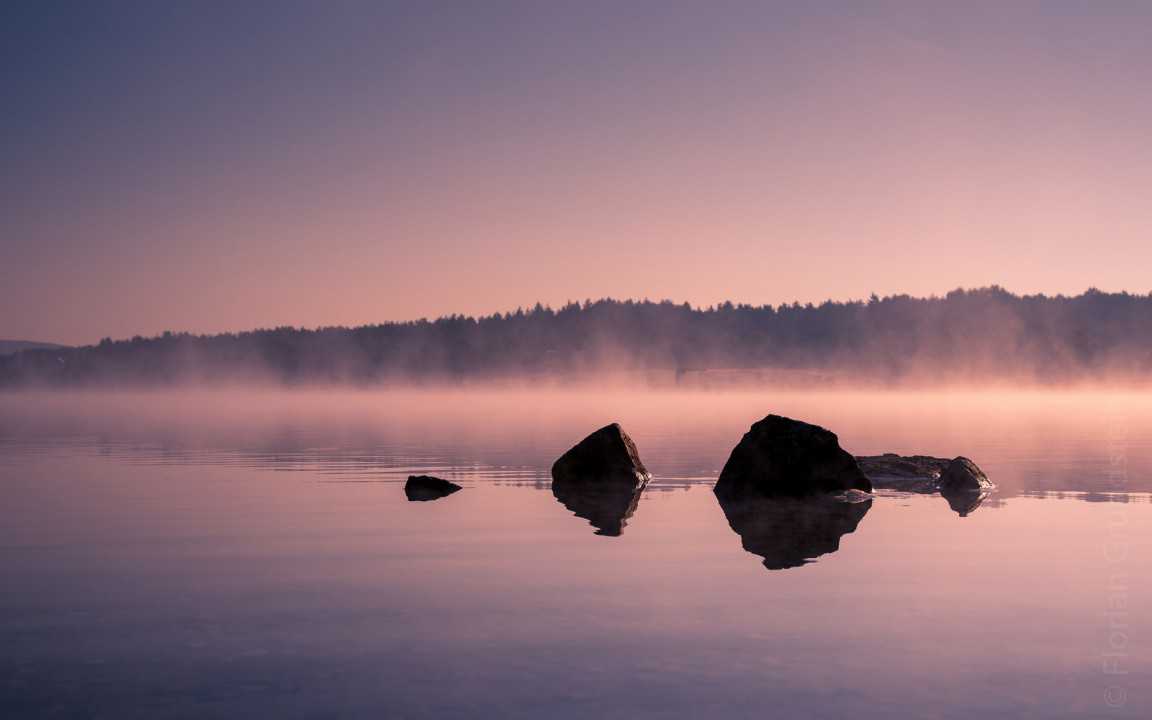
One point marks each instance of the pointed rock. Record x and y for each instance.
(601, 479)
(607, 455)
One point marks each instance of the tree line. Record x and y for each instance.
(964, 335)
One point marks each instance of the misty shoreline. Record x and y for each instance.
(723, 383)
(967, 338)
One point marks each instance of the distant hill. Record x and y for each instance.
(8, 347)
(967, 336)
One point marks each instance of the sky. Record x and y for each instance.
(214, 166)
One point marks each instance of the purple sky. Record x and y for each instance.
(214, 166)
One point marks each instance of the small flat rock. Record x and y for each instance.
(421, 488)
(906, 473)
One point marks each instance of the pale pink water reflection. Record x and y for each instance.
(159, 557)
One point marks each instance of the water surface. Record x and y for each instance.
(224, 554)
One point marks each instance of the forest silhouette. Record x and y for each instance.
(966, 335)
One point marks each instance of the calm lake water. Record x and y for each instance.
(217, 554)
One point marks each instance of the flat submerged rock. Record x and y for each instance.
(906, 473)
(924, 474)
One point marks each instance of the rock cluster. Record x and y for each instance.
(788, 489)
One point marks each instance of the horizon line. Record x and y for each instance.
(587, 302)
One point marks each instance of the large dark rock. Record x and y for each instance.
(607, 455)
(779, 456)
(963, 475)
(790, 532)
(425, 487)
(907, 473)
(601, 479)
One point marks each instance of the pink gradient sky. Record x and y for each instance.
(215, 169)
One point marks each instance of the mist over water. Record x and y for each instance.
(968, 338)
(230, 552)
(569, 361)
(1031, 441)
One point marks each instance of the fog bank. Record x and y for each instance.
(984, 337)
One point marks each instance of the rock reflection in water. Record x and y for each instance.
(965, 502)
(607, 506)
(790, 532)
(601, 478)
